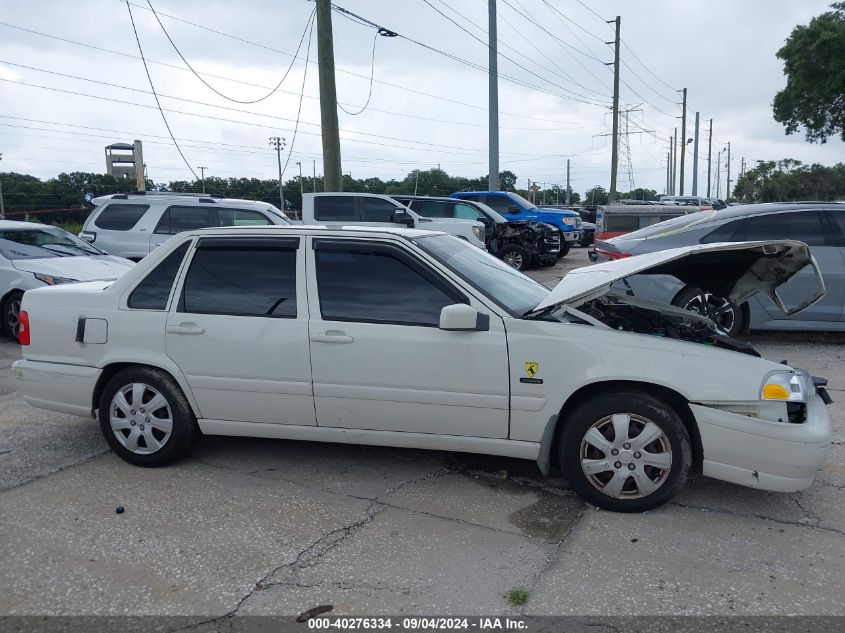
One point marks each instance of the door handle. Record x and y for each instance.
(185, 328)
(332, 336)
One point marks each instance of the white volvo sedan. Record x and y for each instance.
(417, 339)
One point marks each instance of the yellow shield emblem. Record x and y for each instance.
(531, 368)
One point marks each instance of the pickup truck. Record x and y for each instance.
(514, 207)
(337, 209)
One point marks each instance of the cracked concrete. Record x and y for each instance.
(246, 527)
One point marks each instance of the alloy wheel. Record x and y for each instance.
(719, 310)
(141, 418)
(626, 456)
(513, 259)
(13, 318)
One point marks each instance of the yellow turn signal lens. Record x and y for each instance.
(775, 392)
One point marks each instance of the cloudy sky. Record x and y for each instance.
(71, 82)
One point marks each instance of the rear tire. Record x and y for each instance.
(11, 314)
(634, 473)
(145, 417)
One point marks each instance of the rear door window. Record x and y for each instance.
(152, 293)
(241, 217)
(433, 208)
(724, 233)
(615, 222)
(244, 277)
(805, 226)
(180, 218)
(377, 209)
(502, 204)
(120, 217)
(466, 212)
(334, 208)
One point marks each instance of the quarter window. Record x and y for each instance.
(432, 208)
(120, 217)
(177, 219)
(837, 218)
(152, 293)
(377, 284)
(244, 277)
(334, 208)
(466, 212)
(801, 225)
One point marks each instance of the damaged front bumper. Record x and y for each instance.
(777, 456)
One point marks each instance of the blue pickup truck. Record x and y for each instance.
(514, 207)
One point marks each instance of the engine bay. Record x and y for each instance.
(631, 314)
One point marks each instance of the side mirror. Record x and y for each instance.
(461, 317)
(401, 216)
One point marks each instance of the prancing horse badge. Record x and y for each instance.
(531, 368)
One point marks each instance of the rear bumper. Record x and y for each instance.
(56, 386)
(751, 452)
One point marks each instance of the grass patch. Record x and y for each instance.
(517, 596)
(71, 228)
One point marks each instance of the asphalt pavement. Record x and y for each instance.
(247, 527)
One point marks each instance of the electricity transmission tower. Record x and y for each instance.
(624, 140)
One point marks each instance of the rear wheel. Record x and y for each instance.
(145, 417)
(727, 315)
(626, 452)
(12, 314)
(515, 256)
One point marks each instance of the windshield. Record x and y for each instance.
(673, 225)
(508, 287)
(45, 241)
(492, 213)
(521, 200)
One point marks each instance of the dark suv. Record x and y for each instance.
(519, 244)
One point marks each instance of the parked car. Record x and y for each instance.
(133, 224)
(703, 204)
(514, 207)
(718, 204)
(370, 209)
(413, 338)
(615, 220)
(36, 255)
(820, 225)
(519, 244)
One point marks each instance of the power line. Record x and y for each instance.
(215, 90)
(246, 83)
(372, 74)
(650, 72)
(152, 87)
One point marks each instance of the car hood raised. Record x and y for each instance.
(82, 268)
(733, 270)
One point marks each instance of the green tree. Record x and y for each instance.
(814, 65)
(789, 179)
(596, 195)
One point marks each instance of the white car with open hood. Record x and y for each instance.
(417, 339)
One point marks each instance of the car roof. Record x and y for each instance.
(171, 196)
(308, 229)
(14, 224)
(771, 207)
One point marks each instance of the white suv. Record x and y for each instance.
(131, 225)
(371, 209)
(400, 337)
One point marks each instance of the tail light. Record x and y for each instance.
(23, 328)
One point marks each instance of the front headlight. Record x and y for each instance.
(569, 221)
(50, 280)
(785, 386)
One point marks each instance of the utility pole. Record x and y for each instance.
(416, 182)
(695, 159)
(493, 96)
(728, 190)
(683, 137)
(709, 155)
(202, 176)
(314, 180)
(332, 174)
(568, 188)
(668, 167)
(614, 152)
(719, 174)
(674, 160)
(278, 143)
(301, 185)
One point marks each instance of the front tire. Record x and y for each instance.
(564, 249)
(12, 314)
(515, 256)
(626, 452)
(145, 417)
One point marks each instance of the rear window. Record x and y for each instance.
(120, 217)
(622, 223)
(334, 208)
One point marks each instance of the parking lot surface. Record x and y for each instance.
(248, 526)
